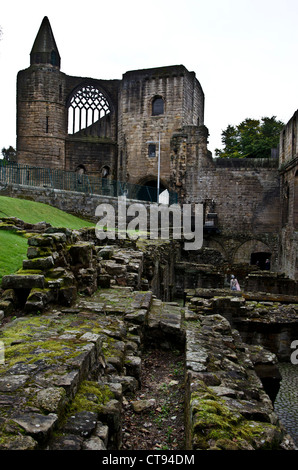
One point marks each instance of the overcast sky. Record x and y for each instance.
(243, 52)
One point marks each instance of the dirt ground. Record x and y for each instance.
(161, 425)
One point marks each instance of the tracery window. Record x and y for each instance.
(86, 107)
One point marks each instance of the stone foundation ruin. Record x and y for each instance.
(84, 311)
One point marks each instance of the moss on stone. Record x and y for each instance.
(24, 342)
(216, 426)
(29, 271)
(91, 396)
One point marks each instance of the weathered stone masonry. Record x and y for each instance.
(70, 359)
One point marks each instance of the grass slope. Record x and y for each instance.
(13, 247)
(33, 212)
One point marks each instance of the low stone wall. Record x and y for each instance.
(226, 406)
(81, 204)
(274, 283)
(263, 319)
(62, 264)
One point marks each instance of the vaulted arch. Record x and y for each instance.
(253, 252)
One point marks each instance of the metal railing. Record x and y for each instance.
(14, 173)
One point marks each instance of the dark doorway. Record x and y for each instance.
(148, 192)
(259, 259)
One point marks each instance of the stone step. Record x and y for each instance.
(165, 323)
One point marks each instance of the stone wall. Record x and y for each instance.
(231, 246)
(81, 204)
(289, 198)
(226, 407)
(289, 219)
(288, 144)
(91, 156)
(246, 200)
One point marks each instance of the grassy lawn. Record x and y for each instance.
(33, 212)
(13, 247)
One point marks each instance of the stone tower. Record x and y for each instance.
(157, 106)
(40, 108)
(65, 122)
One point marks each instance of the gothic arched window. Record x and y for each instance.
(87, 106)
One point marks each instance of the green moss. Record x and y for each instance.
(91, 396)
(29, 271)
(21, 344)
(30, 352)
(109, 349)
(214, 422)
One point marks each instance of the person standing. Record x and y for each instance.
(234, 284)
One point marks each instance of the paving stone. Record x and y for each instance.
(37, 425)
(82, 423)
(69, 442)
(23, 281)
(94, 443)
(51, 399)
(11, 383)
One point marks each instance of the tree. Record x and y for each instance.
(9, 155)
(252, 138)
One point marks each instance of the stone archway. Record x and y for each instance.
(147, 189)
(253, 252)
(217, 248)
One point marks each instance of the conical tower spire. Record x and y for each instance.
(44, 50)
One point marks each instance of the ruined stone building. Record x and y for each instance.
(118, 129)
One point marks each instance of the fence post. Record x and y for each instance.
(89, 184)
(50, 177)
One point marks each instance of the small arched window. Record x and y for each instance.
(157, 106)
(105, 171)
(81, 169)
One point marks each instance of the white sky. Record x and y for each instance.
(244, 52)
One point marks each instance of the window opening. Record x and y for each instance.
(54, 58)
(80, 171)
(157, 106)
(261, 259)
(86, 107)
(105, 172)
(152, 150)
